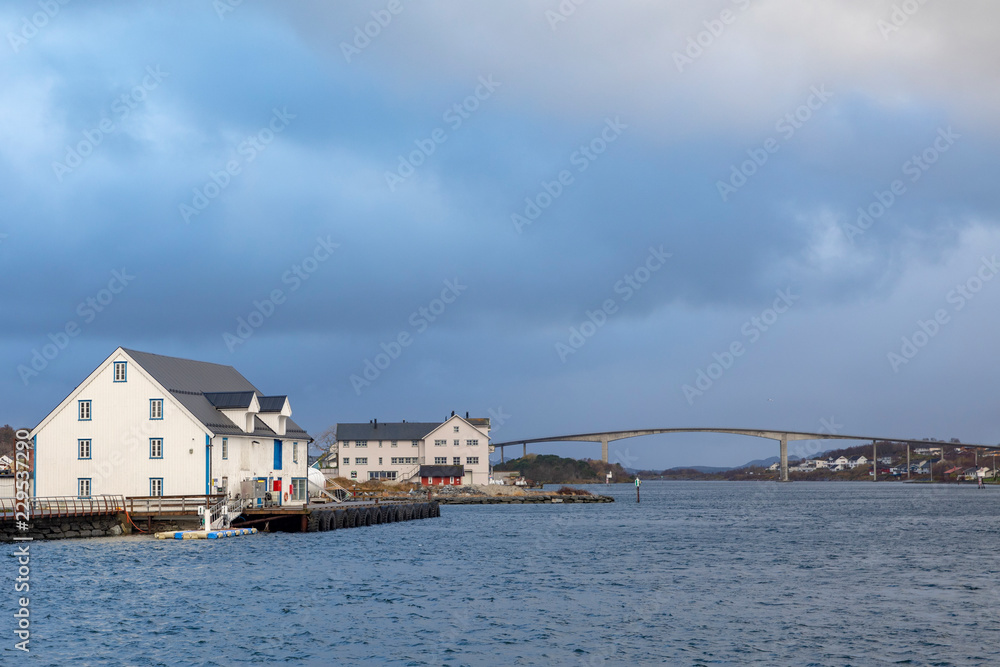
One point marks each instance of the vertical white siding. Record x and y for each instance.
(248, 460)
(119, 430)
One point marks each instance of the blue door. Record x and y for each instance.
(277, 454)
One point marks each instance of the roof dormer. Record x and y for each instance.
(275, 411)
(239, 406)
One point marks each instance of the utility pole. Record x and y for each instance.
(907, 460)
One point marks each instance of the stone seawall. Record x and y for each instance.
(522, 500)
(57, 528)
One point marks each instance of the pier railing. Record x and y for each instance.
(222, 514)
(170, 504)
(60, 506)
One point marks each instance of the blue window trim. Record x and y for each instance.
(225, 449)
(90, 449)
(160, 418)
(90, 409)
(151, 448)
(90, 486)
(208, 464)
(124, 364)
(155, 479)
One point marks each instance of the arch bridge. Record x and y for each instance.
(783, 437)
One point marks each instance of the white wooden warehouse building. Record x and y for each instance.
(147, 425)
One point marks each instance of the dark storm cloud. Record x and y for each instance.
(355, 163)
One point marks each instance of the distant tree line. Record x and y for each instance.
(552, 469)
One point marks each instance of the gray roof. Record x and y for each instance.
(386, 431)
(230, 399)
(442, 471)
(271, 403)
(192, 383)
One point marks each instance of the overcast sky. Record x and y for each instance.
(750, 213)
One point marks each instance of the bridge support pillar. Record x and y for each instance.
(524, 452)
(784, 459)
(604, 449)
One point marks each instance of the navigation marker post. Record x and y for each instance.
(637, 489)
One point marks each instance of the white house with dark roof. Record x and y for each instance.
(148, 425)
(856, 461)
(453, 452)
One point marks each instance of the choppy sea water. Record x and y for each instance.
(698, 573)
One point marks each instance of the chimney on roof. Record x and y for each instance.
(466, 414)
(376, 423)
(452, 413)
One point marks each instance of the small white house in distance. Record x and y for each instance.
(406, 450)
(147, 425)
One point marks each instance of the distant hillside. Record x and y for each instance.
(8, 441)
(763, 463)
(702, 469)
(552, 469)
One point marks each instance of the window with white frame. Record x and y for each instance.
(156, 448)
(361, 461)
(440, 443)
(380, 460)
(346, 443)
(404, 460)
(392, 444)
(299, 489)
(416, 443)
(456, 429)
(295, 452)
(84, 411)
(347, 461)
(361, 443)
(225, 449)
(156, 408)
(84, 449)
(456, 442)
(120, 371)
(441, 460)
(471, 460)
(83, 487)
(471, 443)
(456, 461)
(156, 486)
